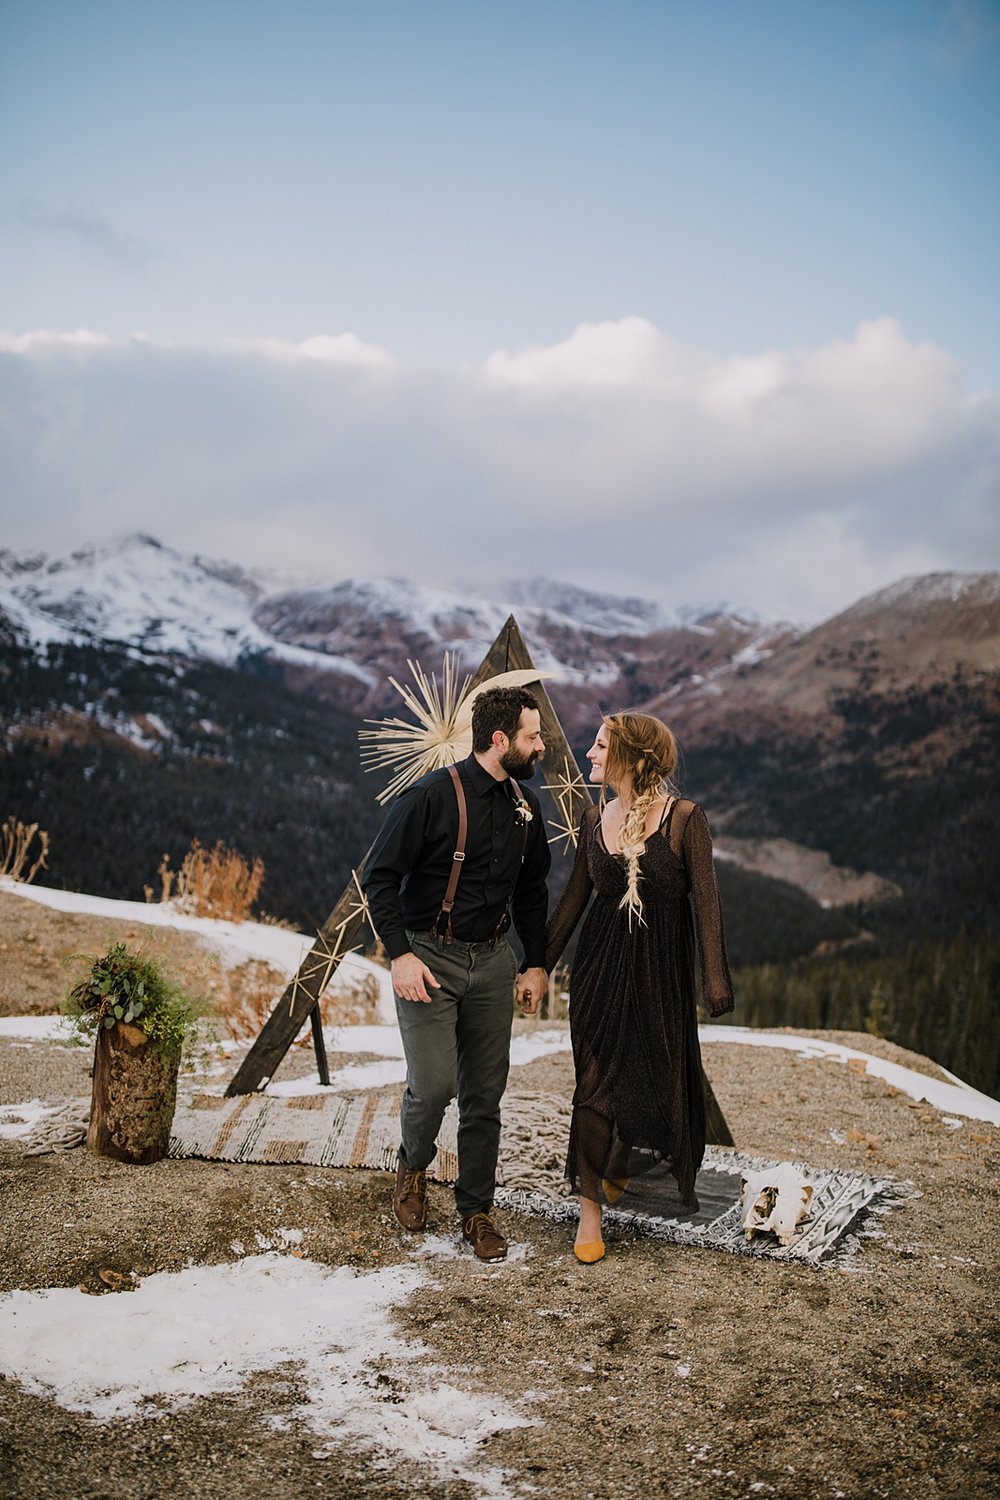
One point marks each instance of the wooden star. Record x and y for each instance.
(566, 789)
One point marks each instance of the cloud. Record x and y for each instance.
(628, 353)
(793, 480)
(344, 349)
(87, 229)
(41, 339)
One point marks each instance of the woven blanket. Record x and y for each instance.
(362, 1130)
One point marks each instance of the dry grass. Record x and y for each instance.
(16, 839)
(217, 882)
(555, 1005)
(252, 989)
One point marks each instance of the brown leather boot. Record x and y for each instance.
(409, 1199)
(482, 1234)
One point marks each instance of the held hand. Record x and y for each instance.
(410, 976)
(531, 986)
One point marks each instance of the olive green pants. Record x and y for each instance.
(458, 1045)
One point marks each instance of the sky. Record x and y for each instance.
(693, 302)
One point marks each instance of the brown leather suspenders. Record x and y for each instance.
(457, 859)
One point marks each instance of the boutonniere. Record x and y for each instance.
(522, 811)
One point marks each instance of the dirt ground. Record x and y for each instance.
(876, 1380)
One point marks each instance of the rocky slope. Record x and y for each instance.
(914, 637)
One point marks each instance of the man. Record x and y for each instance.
(453, 973)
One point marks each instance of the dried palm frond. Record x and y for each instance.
(443, 731)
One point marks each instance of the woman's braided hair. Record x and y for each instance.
(643, 748)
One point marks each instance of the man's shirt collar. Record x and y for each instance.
(482, 782)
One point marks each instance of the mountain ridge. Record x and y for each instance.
(849, 770)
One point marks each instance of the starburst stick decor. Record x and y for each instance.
(326, 960)
(566, 784)
(360, 909)
(327, 957)
(443, 731)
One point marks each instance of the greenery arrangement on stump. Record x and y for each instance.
(139, 1019)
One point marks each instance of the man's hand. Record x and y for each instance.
(531, 986)
(410, 976)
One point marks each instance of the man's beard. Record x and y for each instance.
(521, 767)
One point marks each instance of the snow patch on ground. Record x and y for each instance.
(953, 1098)
(17, 1120)
(205, 1330)
(386, 1041)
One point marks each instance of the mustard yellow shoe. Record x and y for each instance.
(613, 1188)
(589, 1251)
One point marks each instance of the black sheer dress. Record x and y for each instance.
(639, 1099)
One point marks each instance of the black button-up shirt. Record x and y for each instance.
(406, 874)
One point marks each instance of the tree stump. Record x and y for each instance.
(135, 1090)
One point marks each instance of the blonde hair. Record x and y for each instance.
(643, 749)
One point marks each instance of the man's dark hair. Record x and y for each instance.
(498, 708)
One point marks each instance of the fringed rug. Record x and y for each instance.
(362, 1130)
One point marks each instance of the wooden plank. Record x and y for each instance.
(337, 936)
(319, 1046)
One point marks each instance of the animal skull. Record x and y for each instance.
(774, 1201)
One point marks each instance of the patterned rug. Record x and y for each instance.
(362, 1130)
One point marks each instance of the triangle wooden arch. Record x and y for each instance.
(300, 1001)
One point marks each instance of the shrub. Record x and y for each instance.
(216, 882)
(124, 986)
(16, 839)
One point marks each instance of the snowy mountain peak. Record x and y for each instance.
(610, 614)
(135, 589)
(917, 591)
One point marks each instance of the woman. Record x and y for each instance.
(639, 1097)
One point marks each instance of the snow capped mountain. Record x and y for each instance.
(345, 616)
(607, 614)
(383, 621)
(151, 597)
(137, 591)
(921, 591)
(141, 593)
(347, 639)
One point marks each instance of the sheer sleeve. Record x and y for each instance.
(573, 901)
(716, 980)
